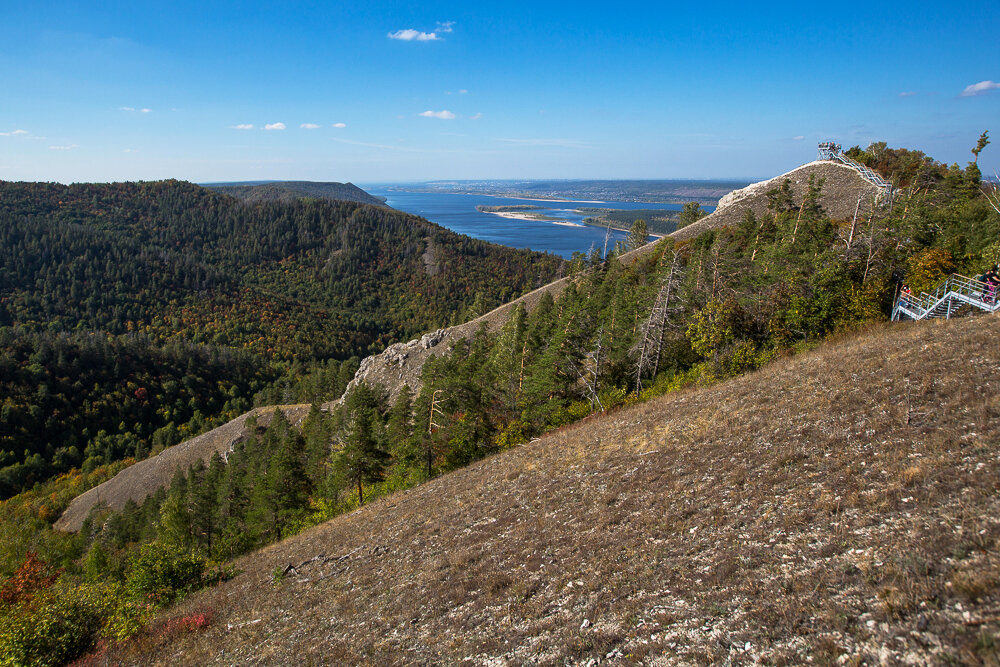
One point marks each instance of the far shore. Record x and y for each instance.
(551, 199)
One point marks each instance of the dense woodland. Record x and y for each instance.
(133, 315)
(689, 312)
(291, 191)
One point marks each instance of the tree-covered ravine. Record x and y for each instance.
(686, 312)
(133, 315)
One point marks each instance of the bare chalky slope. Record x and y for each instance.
(149, 475)
(840, 507)
(843, 190)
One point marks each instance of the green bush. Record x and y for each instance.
(54, 627)
(160, 574)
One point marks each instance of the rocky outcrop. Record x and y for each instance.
(843, 189)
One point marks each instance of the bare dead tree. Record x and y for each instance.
(649, 345)
(992, 192)
(588, 369)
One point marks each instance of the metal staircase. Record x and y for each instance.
(957, 295)
(831, 151)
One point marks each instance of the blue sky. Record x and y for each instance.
(434, 90)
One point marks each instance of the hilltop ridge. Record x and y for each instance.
(844, 194)
(291, 191)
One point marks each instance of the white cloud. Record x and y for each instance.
(411, 35)
(443, 115)
(908, 93)
(13, 134)
(130, 150)
(243, 126)
(979, 88)
(308, 126)
(799, 137)
(339, 125)
(144, 110)
(274, 126)
(63, 148)
(476, 116)
(463, 91)
(127, 108)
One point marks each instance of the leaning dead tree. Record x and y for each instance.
(650, 342)
(992, 192)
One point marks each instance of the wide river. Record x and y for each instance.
(458, 213)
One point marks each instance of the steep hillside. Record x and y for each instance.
(401, 364)
(844, 193)
(170, 262)
(290, 191)
(840, 506)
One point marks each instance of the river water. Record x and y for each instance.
(458, 213)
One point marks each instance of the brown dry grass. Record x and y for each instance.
(840, 507)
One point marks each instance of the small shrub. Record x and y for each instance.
(160, 574)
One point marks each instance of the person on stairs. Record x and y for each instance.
(992, 280)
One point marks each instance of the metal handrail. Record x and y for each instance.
(953, 292)
(867, 173)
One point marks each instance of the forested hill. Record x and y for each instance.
(159, 263)
(290, 191)
(309, 279)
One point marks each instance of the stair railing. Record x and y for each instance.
(947, 298)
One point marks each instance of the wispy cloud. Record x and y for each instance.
(799, 137)
(274, 126)
(63, 148)
(443, 115)
(243, 126)
(309, 126)
(561, 143)
(412, 35)
(980, 88)
(133, 109)
(475, 116)
(130, 150)
(908, 93)
(339, 125)
(13, 134)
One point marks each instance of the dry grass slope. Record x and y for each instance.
(841, 506)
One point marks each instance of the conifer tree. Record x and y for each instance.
(362, 459)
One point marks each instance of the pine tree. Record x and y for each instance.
(362, 459)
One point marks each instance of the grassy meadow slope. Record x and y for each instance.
(841, 505)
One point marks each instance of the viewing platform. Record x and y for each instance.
(829, 150)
